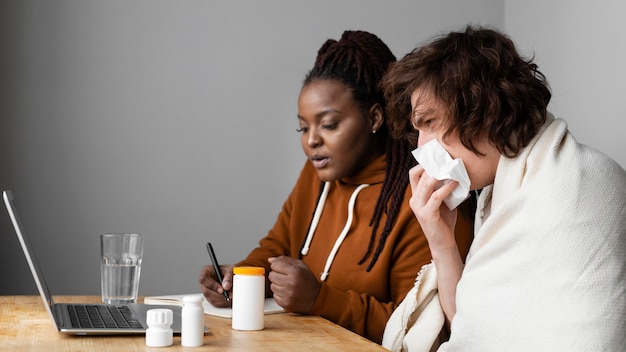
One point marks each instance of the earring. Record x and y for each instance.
(374, 131)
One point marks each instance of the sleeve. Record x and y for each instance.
(285, 236)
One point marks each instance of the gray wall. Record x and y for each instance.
(177, 119)
(172, 119)
(581, 47)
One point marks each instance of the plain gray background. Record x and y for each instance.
(176, 119)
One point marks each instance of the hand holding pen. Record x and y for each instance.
(216, 267)
(210, 286)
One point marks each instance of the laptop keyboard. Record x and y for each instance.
(102, 316)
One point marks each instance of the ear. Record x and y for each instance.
(376, 116)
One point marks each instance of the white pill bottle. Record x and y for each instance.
(192, 323)
(159, 332)
(248, 298)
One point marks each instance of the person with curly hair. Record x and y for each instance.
(547, 268)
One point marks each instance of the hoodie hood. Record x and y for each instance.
(372, 174)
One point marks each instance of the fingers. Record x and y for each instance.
(207, 277)
(414, 175)
(279, 279)
(441, 190)
(428, 192)
(422, 188)
(216, 299)
(281, 267)
(227, 283)
(427, 203)
(447, 187)
(292, 283)
(211, 288)
(284, 263)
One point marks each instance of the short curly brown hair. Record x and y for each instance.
(486, 87)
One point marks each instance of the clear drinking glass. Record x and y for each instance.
(121, 267)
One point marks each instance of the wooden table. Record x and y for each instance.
(26, 326)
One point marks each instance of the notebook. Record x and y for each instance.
(84, 318)
(270, 306)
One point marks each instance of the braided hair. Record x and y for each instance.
(359, 60)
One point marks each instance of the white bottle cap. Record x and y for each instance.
(159, 332)
(192, 299)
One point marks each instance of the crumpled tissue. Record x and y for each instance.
(440, 165)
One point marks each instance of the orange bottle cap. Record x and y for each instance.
(249, 270)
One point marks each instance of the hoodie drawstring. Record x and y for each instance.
(316, 218)
(342, 235)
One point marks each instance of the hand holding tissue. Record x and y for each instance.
(440, 165)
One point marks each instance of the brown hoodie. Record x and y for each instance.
(350, 296)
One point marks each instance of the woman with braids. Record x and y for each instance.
(547, 268)
(346, 245)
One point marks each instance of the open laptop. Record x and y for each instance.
(84, 318)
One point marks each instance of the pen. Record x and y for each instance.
(216, 267)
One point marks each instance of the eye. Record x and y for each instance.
(303, 125)
(423, 124)
(330, 126)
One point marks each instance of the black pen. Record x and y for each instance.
(216, 267)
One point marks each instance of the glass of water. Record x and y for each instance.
(121, 267)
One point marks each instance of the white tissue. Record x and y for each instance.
(440, 165)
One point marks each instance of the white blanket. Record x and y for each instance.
(417, 323)
(547, 269)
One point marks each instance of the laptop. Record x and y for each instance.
(84, 318)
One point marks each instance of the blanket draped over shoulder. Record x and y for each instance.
(547, 268)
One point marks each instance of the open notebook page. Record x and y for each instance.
(271, 307)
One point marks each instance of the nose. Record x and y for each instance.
(424, 138)
(313, 139)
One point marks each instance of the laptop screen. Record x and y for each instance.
(28, 252)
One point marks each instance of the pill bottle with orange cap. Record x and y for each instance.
(248, 298)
